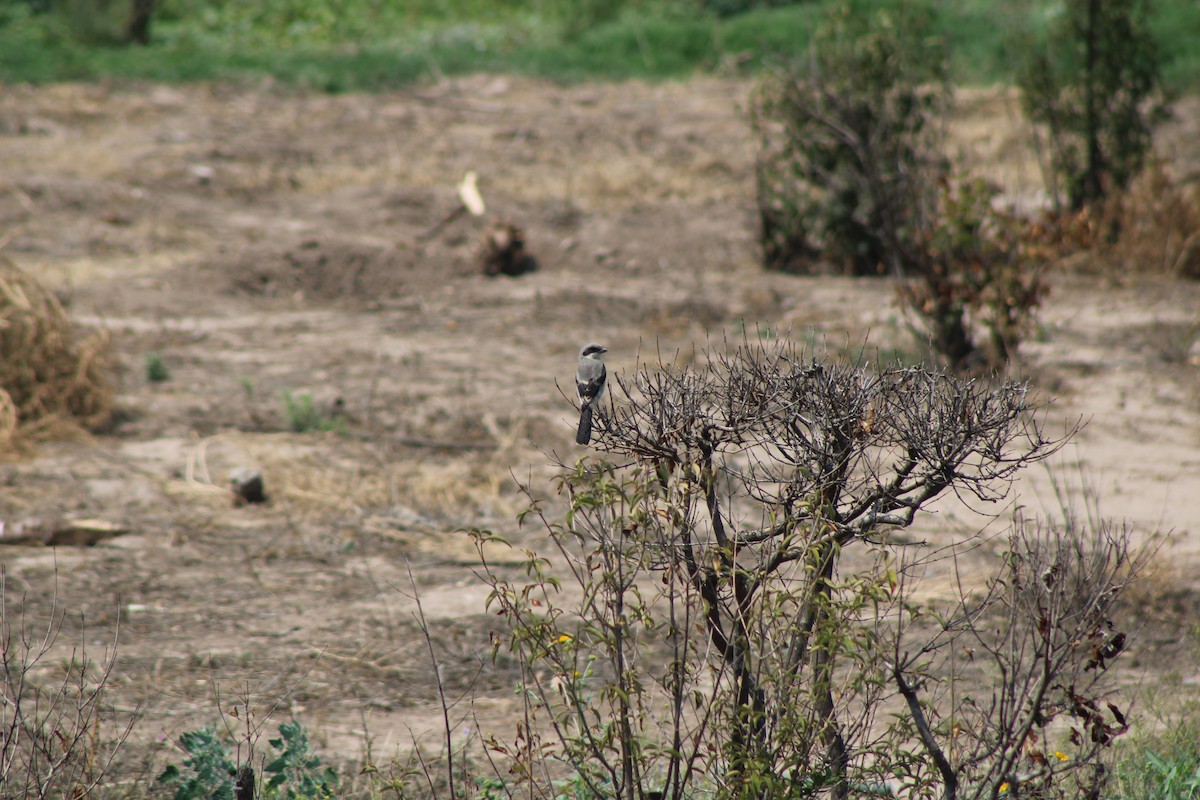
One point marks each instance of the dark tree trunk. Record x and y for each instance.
(1091, 189)
(243, 787)
(139, 22)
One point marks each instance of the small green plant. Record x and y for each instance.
(1174, 775)
(207, 771)
(303, 415)
(296, 773)
(210, 773)
(156, 368)
(1163, 764)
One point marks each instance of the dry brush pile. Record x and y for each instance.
(51, 374)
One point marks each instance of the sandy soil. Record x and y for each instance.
(266, 242)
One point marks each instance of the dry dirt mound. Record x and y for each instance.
(325, 268)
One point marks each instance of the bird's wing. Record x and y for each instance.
(590, 381)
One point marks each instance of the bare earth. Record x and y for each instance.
(266, 242)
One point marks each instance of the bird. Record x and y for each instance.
(590, 378)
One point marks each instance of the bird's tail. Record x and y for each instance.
(584, 434)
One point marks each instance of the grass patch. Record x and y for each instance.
(303, 415)
(351, 45)
(156, 368)
(1164, 765)
(1176, 26)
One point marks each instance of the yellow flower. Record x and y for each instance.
(1004, 787)
(1061, 756)
(566, 637)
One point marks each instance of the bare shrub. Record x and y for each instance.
(48, 372)
(726, 609)
(1015, 693)
(53, 737)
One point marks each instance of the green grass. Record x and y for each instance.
(303, 415)
(344, 45)
(1163, 764)
(1176, 25)
(156, 368)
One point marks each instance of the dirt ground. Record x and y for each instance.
(266, 242)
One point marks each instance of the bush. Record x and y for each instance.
(95, 22)
(743, 608)
(304, 416)
(1153, 225)
(848, 167)
(1094, 84)
(210, 773)
(52, 710)
(156, 368)
(975, 280)
(849, 174)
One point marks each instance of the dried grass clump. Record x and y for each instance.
(1155, 226)
(50, 376)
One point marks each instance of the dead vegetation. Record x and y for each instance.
(51, 374)
(1153, 227)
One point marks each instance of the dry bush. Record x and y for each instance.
(974, 281)
(48, 372)
(847, 163)
(1151, 227)
(1154, 226)
(58, 735)
(738, 578)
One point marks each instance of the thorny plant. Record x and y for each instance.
(52, 710)
(734, 615)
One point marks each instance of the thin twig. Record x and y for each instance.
(437, 670)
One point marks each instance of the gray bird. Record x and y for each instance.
(590, 377)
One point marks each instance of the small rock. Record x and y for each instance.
(247, 485)
(202, 174)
